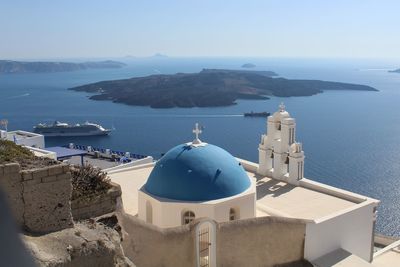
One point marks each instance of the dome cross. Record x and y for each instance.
(282, 107)
(197, 131)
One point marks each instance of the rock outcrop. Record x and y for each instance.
(89, 243)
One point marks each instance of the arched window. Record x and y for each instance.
(233, 214)
(188, 216)
(149, 212)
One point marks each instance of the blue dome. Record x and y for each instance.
(197, 174)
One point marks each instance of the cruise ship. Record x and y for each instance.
(65, 129)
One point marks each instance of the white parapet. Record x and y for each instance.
(129, 165)
(24, 138)
(42, 153)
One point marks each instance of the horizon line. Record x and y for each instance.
(166, 57)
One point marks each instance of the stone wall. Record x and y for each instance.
(39, 198)
(149, 246)
(266, 241)
(84, 208)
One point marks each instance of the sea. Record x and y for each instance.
(351, 139)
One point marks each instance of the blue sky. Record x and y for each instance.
(280, 28)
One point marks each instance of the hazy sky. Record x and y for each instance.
(280, 28)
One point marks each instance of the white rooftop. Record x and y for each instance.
(387, 256)
(274, 197)
(295, 201)
(22, 134)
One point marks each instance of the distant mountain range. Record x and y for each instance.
(208, 88)
(155, 56)
(159, 55)
(249, 65)
(9, 66)
(396, 71)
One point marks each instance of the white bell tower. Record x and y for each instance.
(296, 163)
(275, 157)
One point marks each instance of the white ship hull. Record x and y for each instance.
(59, 129)
(75, 134)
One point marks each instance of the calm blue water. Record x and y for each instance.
(351, 139)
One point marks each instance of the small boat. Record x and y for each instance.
(65, 129)
(257, 114)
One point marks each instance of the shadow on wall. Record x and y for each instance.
(148, 245)
(12, 251)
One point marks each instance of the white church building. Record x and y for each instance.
(199, 180)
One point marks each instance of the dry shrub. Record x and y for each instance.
(12, 153)
(88, 181)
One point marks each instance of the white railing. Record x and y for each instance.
(129, 165)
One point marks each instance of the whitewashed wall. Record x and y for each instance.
(169, 214)
(351, 230)
(27, 138)
(43, 153)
